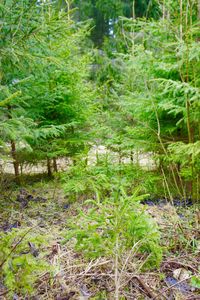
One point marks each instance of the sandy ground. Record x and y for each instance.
(144, 160)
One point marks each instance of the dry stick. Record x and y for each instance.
(117, 283)
(127, 259)
(173, 285)
(163, 147)
(123, 34)
(163, 10)
(145, 287)
(164, 187)
(14, 247)
(141, 289)
(182, 265)
(188, 104)
(91, 275)
(184, 227)
(85, 273)
(198, 185)
(144, 262)
(165, 151)
(167, 186)
(83, 265)
(90, 266)
(68, 9)
(4, 293)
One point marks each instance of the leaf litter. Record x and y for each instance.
(74, 277)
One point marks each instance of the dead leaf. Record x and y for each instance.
(181, 274)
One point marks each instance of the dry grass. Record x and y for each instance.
(77, 278)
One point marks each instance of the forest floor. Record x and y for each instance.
(43, 209)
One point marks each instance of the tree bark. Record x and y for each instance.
(55, 166)
(15, 162)
(21, 169)
(132, 157)
(49, 171)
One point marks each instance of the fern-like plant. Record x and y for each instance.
(20, 260)
(117, 222)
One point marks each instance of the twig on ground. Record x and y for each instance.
(4, 293)
(144, 286)
(181, 265)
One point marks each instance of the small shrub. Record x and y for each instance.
(87, 181)
(119, 221)
(20, 263)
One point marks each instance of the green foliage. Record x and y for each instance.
(153, 105)
(99, 181)
(81, 181)
(20, 266)
(195, 281)
(105, 14)
(140, 94)
(118, 221)
(42, 111)
(112, 215)
(187, 155)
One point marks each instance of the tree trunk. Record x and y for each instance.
(49, 172)
(132, 157)
(74, 161)
(55, 167)
(15, 162)
(21, 169)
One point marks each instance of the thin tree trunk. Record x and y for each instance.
(21, 169)
(132, 157)
(163, 11)
(49, 171)
(55, 166)
(116, 268)
(13, 151)
(15, 162)
(120, 157)
(74, 160)
(188, 108)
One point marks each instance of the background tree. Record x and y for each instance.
(105, 14)
(158, 91)
(44, 77)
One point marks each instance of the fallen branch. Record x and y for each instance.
(4, 293)
(181, 265)
(148, 291)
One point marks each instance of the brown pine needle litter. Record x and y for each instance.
(71, 276)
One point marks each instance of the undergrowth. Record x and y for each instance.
(116, 225)
(110, 227)
(20, 260)
(82, 181)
